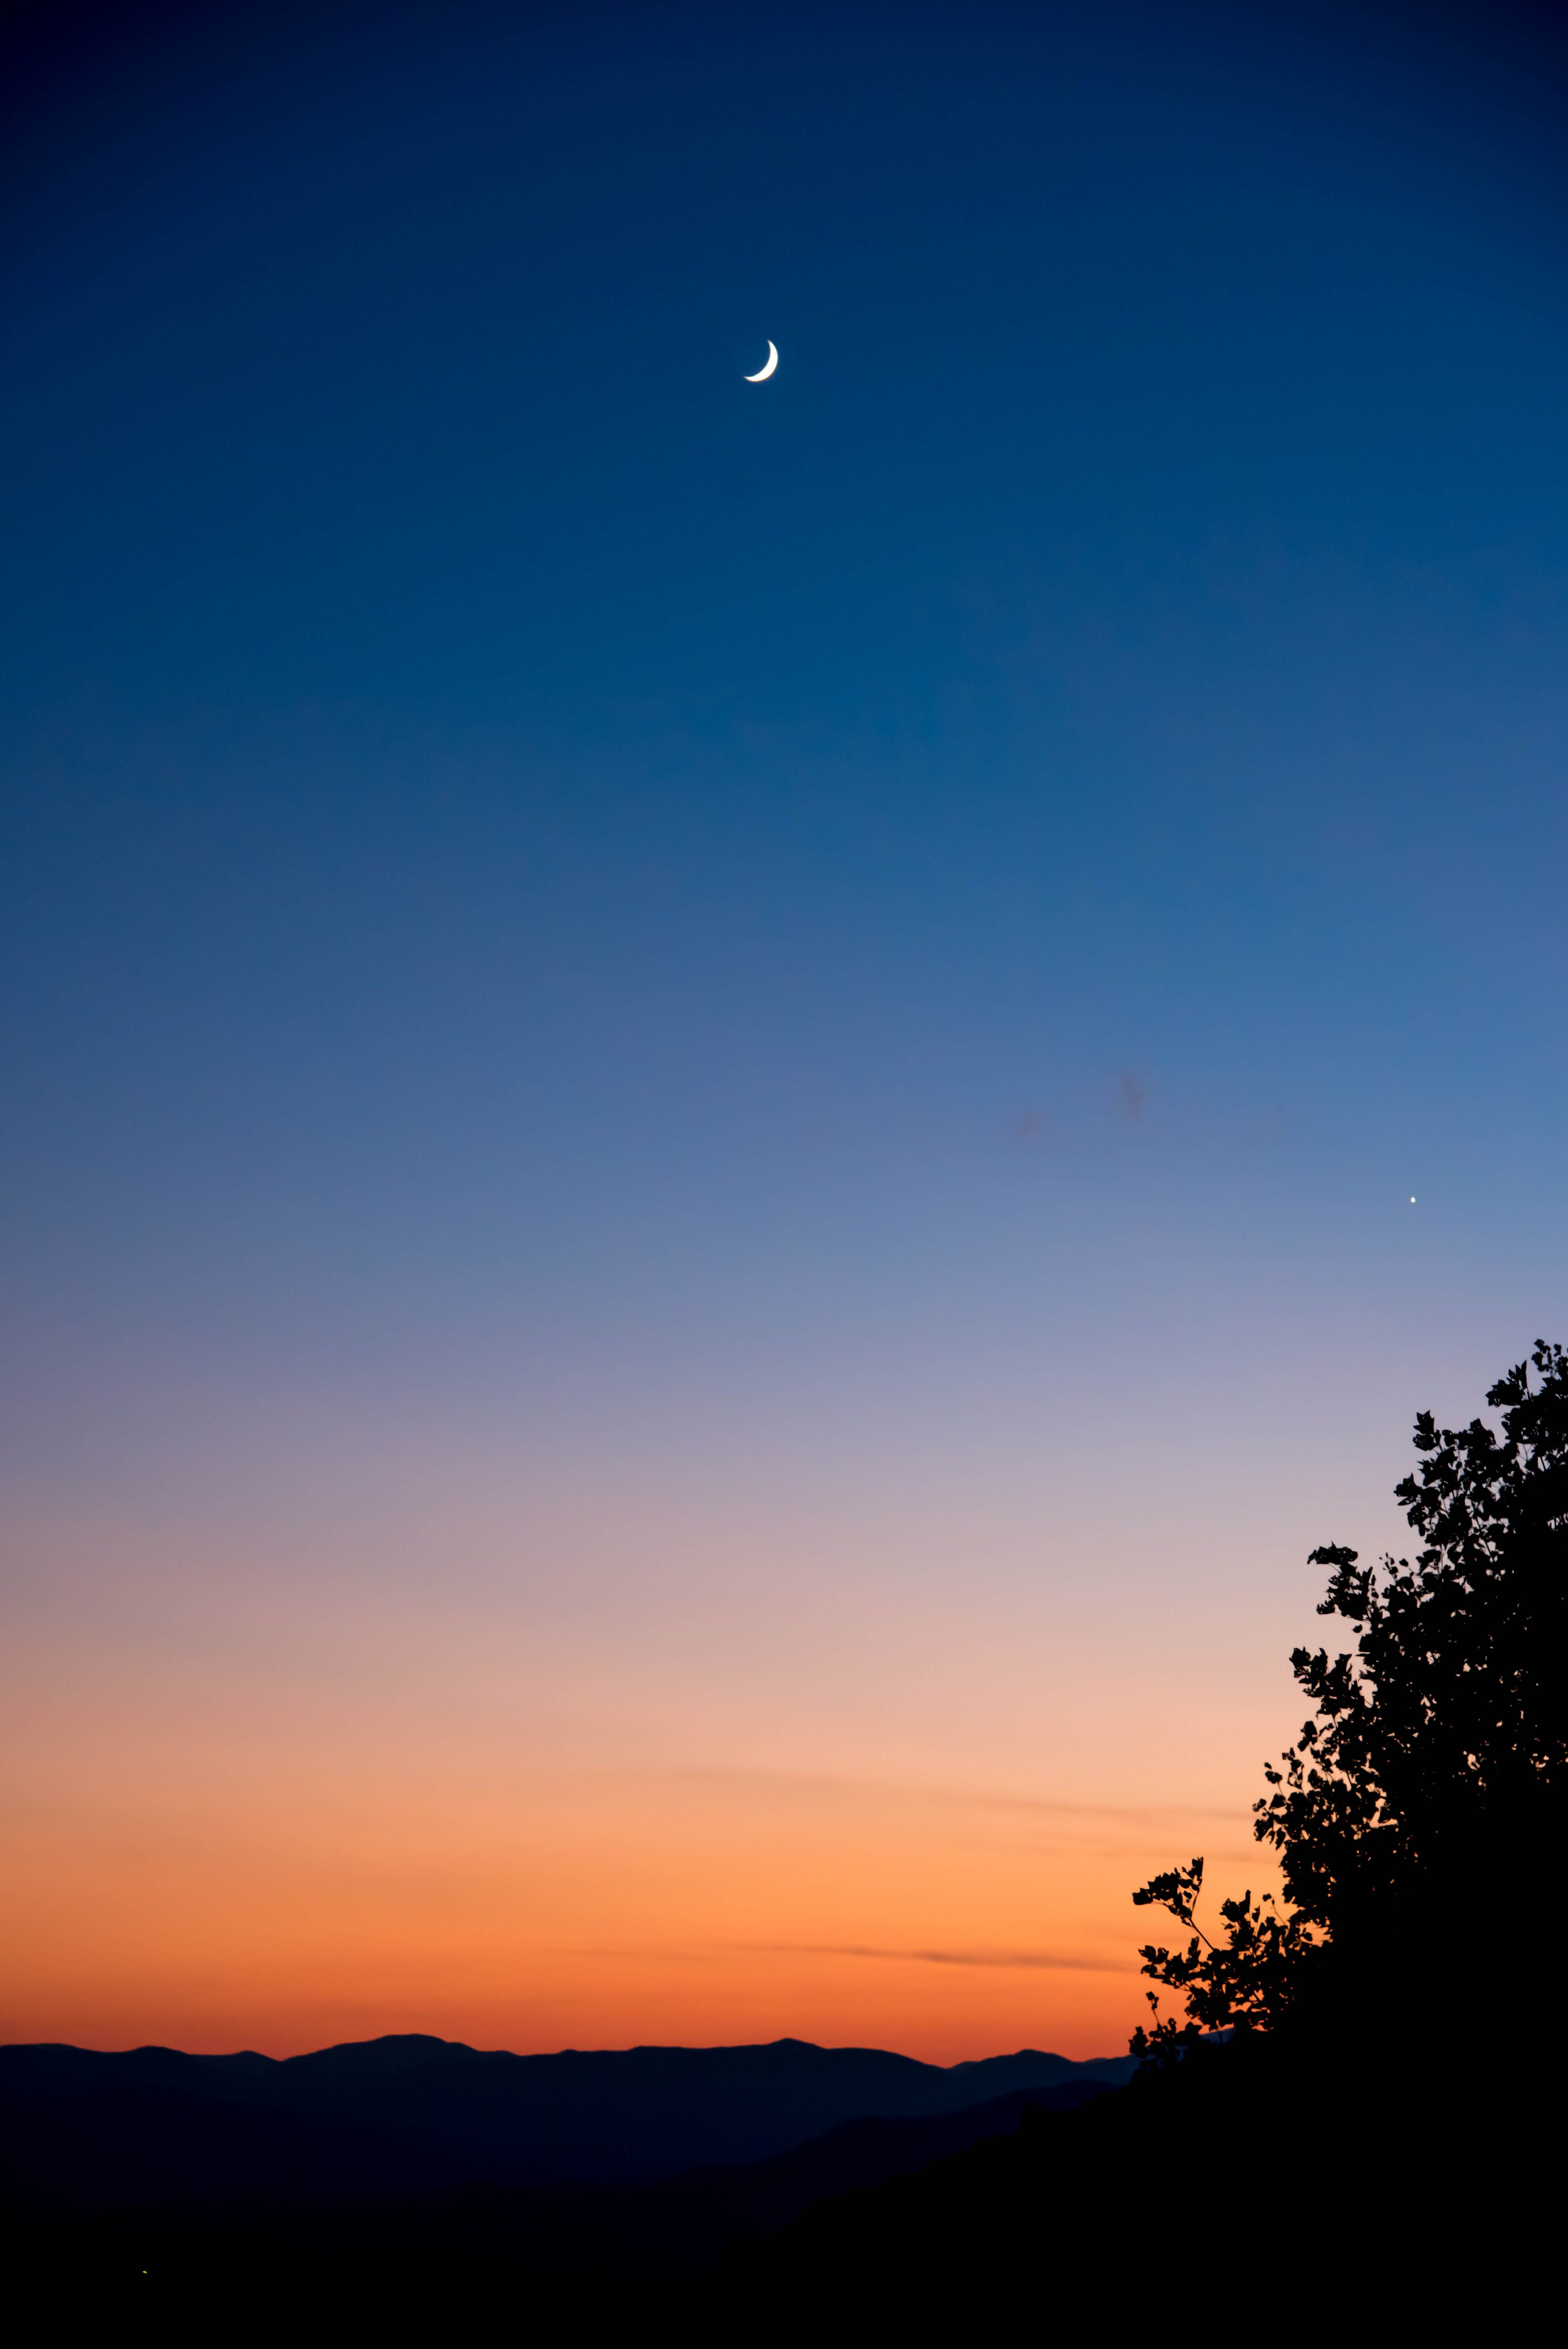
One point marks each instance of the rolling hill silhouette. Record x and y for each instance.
(412, 2186)
(260, 2204)
(412, 2116)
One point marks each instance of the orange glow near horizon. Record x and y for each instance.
(697, 1811)
(698, 1910)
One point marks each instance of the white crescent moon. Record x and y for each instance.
(764, 372)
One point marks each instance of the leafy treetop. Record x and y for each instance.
(1441, 1741)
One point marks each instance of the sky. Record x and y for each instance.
(729, 1111)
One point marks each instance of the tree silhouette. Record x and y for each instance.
(1434, 1765)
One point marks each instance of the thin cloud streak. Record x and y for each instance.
(977, 1799)
(1044, 1959)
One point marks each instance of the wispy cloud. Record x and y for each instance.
(824, 1782)
(1057, 1961)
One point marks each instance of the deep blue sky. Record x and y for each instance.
(891, 944)
(477, 767)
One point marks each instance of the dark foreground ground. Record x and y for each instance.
(1259, 2190)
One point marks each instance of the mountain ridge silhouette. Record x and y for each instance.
(410, 2114)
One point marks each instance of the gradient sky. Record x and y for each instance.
(712, 1093)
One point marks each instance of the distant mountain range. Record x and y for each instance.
(405, 2116)
(408, 2190)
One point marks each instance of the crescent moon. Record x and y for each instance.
(764, 372)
